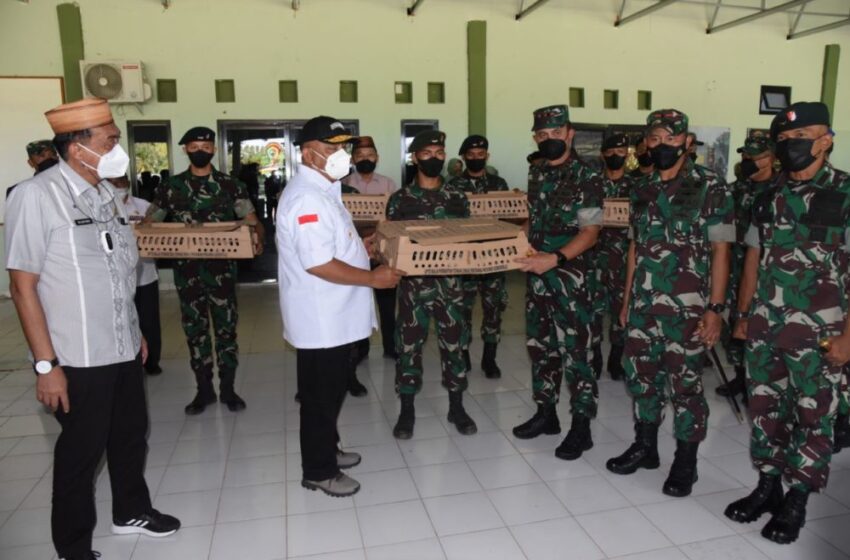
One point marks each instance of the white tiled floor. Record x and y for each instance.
(234, 480)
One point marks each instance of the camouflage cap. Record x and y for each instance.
(755, 145)
(427, 138)
(37, 146)
(670, 119)
(799, 115)
(553, 116)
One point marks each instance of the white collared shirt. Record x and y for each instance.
(136, 209)
(56, 227)
(313, 227)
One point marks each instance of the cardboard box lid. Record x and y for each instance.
(435, 232)
(176, 227)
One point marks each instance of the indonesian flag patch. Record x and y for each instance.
(307, 219)
(792, 116)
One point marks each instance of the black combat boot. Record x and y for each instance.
(735, 387)
(458, 416)
(544, 421)
(642, 454)
(766, 498)
(615, 363)
(578, 439)
(488, 361)
(205, 395)
(227, 394)
(841, 435)
(683, 472)
(596, 361)
(467, 362)
(784, 527)
(407, 417)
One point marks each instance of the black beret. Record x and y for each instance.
(427, 138)
(799, 115)
(615, 141)
(474, 141)
(198, 134)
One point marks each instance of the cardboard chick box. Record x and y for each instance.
(503, 205)
(366, 209)
(615, 212)
(449, 247)
(215, 240)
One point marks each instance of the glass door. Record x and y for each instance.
(409, 129)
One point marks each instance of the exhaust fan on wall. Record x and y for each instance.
(115, 81)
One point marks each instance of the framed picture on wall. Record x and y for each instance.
(588, 141)
(714, 153)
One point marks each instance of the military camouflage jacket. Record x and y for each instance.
(744, 192)
(191, 200)
(802, 228)
(621, 188)
(412, 202)
(479, 185)
(673, 224)
(561, 200)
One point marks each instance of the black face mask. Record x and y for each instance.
(615, 162)
(476, 165)
(645, 159)
(200, 158)
(665, 156)
(431, 167)
(552, 148)
(795, 154)
(365, 166)
(46, 164)
(749, 168)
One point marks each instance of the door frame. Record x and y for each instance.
(131, 146)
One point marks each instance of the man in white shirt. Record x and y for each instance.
(325, 297)
(147, 281)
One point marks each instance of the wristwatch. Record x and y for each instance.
(562, 259)
(43, 367)
(716, 307)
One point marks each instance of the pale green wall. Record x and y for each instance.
(530, 63)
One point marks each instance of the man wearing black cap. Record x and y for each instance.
(207, 287)
(565, 216)
(494, 295)
(794, 310)
(41, 155)
(423, 298)
(757, 174)
(325, 297)
(610, 260)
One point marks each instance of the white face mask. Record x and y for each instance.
(337, 165)
(111, 164)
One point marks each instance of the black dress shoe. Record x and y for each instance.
(233, 401)
(153, 370)
(391, 354)
(201, 401)
(355, 388)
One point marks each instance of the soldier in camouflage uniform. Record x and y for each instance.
(494, 294)
(683, 221)
(842, 418)
(423, 298)
(798, 336)
(206, 287)
(610, 260)
(565, 216)
(758, 173)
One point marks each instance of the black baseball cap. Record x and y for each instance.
(324, 129)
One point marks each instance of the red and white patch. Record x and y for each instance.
(792, 116)
(308, 219)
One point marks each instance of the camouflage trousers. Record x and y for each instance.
(207, 289)
(557, 325)
(793, 400)
(420, 300)
(494, 300)
(662, 351)
(608, 300)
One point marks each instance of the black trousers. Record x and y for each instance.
(386, 311)
(108, 412)
(322, 382)
(147, 306)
